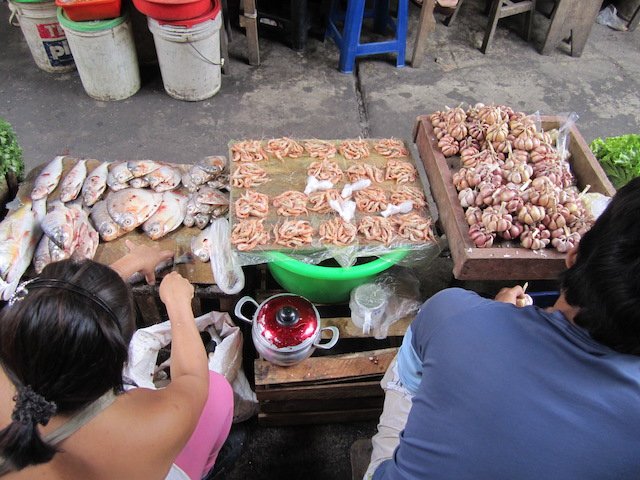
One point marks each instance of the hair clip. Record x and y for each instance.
(20, 292)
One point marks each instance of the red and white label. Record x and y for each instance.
(50, 30)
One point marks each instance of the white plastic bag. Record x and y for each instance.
(225, 267)
(226, 359)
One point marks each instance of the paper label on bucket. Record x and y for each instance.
(50, 30)
(58, 52)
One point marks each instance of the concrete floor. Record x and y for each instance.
(302, 94)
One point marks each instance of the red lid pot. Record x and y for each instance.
(285, 328)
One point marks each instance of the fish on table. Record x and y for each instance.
(164, 178)
(57, 253)
(95, 184)
(18, 245)
(72, 182)
(169, 215)
(140, 168)
(200, 244)
(47, 180)
(139, 182)
(131, 207)
(203, 171)
(118, 176)
(107, 228)
(86, 238)
(211, 196)
(41, 255)
(58, 225)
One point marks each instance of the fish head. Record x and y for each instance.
(125, 220)
(38, 192)
(108, 231)
(154, 230)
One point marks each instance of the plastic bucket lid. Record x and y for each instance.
(208, 15)
(90, 26)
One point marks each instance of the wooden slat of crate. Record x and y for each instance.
(308, 418)
(315, 405)
(333, 368)
(336, 388)
(498, 263)
(362, 389)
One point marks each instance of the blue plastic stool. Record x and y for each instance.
(348, 41)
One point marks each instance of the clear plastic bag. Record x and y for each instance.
(562, 141)
(401, 289)
(609, 16)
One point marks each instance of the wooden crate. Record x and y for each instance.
(337, 385)
(498, 262)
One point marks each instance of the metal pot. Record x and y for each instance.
(286, 328)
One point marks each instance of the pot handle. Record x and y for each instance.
(241, 303)
(334, 338)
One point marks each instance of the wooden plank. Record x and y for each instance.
(426, 25)
(348, 329)
(310, 418)
(249, 21)
(509, 8)
(321, 405)
(343, 390)
(572, 18)
(499, 262)
(335, 367)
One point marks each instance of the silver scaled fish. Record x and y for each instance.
(164, 178)
(72, 182)
(104, 224)
(48, 179)
(132, 206)
(168, 216)
(95, 184)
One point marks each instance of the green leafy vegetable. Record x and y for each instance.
(619, 157)
(10, 152)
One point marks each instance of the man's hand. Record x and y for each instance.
(510, 295)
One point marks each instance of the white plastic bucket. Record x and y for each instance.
(105, 56)
(45, 37)
(189, 57)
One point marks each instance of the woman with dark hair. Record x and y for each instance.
(63, 410)
(484, 389)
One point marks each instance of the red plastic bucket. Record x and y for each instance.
(170, 10)
(210, 14)
(84, 10)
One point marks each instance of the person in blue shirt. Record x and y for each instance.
(483, 389)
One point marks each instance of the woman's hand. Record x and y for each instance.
(174, 287)
(141, 258)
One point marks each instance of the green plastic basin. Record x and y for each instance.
(322, 284)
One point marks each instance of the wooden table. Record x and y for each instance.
(150, 307)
